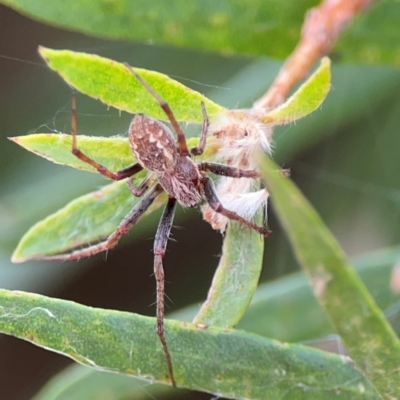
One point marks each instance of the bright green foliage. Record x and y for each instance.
(115, 85)
(236, 278)
(229, 363)
(307, 98)
(85, 219)
(269, 27)
(261, 27)
(288, 310)
(366, 334)
(88, 217)
(251, 367)
(97, 214)
(78, 382)
(370, 86)
(114, 153)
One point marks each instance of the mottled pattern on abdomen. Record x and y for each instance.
(152, 143)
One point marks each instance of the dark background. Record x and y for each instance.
(349, 171)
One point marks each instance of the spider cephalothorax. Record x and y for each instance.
(171, 169)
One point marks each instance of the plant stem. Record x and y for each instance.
(321, 29)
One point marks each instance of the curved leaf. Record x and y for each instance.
(366, 334)
(78, 382)
(114, 84)
(284, 309)
(85, 219)
(236, 278)
(227, 363)
(306, 99)
(114, 153)
(92, 216)
(262, 27)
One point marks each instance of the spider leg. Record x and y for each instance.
(215, 204)
(160, 245)
(197, 151)
(127, 223)
(226, 170)
(117, 176)
(182, 146)
(138, 191)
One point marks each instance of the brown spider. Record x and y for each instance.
(169, 162)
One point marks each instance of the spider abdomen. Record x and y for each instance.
(152, 143)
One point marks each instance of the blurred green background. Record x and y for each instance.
(344, 157)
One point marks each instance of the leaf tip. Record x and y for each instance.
(15, 259)
(45, 53)
(326, 62)
(308, 97)
(42, 51)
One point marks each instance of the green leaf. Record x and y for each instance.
(225, 362)
(366, 334)
(372, 37)
(114, 153)
(92, 216)
(78, 382)
(306, 99)
(236, 278)
(284, 309)
(261, 27)
(115, 85)
(85, 219)
(268, 27)
(356, 88)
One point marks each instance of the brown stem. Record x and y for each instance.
(320, 32)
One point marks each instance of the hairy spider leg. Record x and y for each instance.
(182, 146)
(227, 170)
(160, 245)
(212, 199)
(123, 228)
(117, 176)
(138, 191)
(198, 151)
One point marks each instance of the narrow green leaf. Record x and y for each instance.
(227, 363)
(306, 99)
(113, 84)
(284, 309)
(287, 310)
(262, 27)
(85, 219)
(78, 382)
(92, 216)
(366, 334)
(356, 88)
(114, 153)
(372, 37)
(236, 278)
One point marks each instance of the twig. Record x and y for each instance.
(320, 32)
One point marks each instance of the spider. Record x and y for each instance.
(171, 169)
